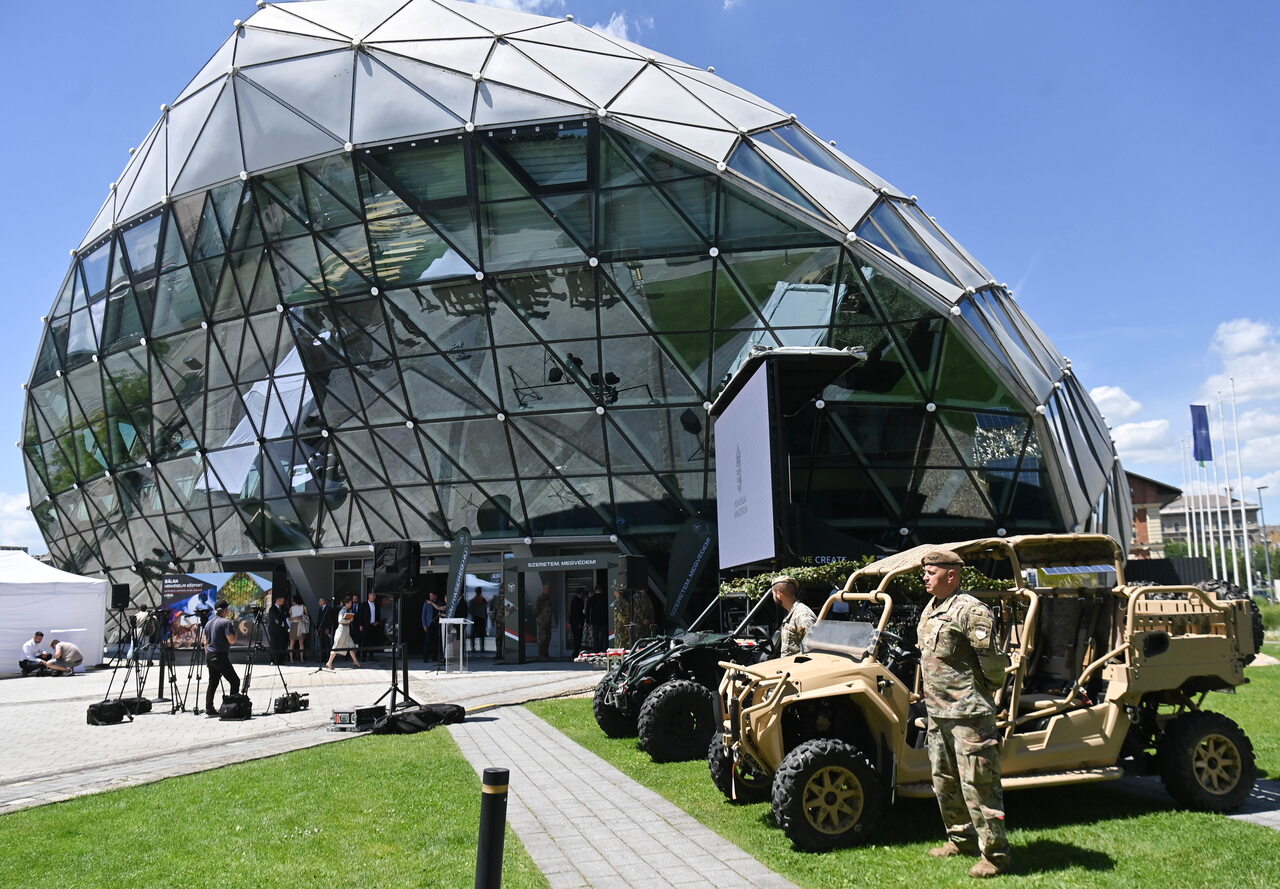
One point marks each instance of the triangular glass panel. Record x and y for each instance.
(216, 287)
(441, 22)
(380, 198)
(298, 270)
(401, 453)
(229, 202)
(965, 380)
(208, 237)
(441, 388)
(638, 221)
(215, 155)
(617, 316)
(494, 181)
(507, 64)
(641, 441)
(901, 240)
(359, 458)
(381, 514)
(600, 77)
(382, 395)
(894, 302)
(457, 226)
(695, 199)
(335, 176)
(540, 378)
(497, 105)
(309, 84)
(423, 519)
(141, 242)
(49, 361)
(951, 493)
(96, 266)
(747, 222)
(245, 266)
(172, 252)
(283, 203)
(258, 357)
(429, 172)
(273, 133)
(224, 416)
(573, 443)
(747, 161)
(643, 502)
(654, 161)
(178, 304)
(338, 399)
(123, 321)
(550, 155)
(574, 212)
(405, 250)
(556, 508)
(521, 234)
(62, 305)
(478, 447)
(344, 260)
(395, 97)
(616, 166)
(637, 371)
(557, 304)
(266, 293)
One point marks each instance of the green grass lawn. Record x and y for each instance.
(1094, 837)
(375, 811)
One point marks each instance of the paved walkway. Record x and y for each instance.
(597, 828)
(88, 759)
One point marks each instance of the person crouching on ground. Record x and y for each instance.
(66, 657)
(35, 655)
(961, 668)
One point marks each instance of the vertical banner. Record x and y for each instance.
(1201, 444)
(459, 555)
(690, 553)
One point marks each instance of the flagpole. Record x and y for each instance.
(1217, 508)
(1244, 518)
(1206, 520)
(1226, 479)
(1186, 503)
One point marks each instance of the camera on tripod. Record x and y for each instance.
(292, 702)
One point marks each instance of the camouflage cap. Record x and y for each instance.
(944, 558)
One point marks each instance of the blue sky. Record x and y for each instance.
(1112, 162)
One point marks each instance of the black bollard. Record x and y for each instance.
(493, 829)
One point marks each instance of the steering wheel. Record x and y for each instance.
(764, 642)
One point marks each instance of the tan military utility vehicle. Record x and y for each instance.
(1104, 681)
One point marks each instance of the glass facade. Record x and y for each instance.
(516, 329)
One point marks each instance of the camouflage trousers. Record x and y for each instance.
(965, 758)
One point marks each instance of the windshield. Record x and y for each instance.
(846, 636)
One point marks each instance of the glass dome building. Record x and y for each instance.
(389, 269)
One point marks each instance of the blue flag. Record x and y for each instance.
(1201, 444)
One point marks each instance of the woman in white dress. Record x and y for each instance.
(342, 641)
(299, 627)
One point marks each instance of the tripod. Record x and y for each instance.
(399, 668)
(196, 663)
(256, 645)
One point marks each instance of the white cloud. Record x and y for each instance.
(1145, 442)
(1250, 352)
(1115, 403)
(615, 27)
(730, 4)
(17, 525)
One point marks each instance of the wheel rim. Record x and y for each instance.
(833, 800)
(1217, 764)
(683, 725)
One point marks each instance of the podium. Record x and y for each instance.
(453, 630)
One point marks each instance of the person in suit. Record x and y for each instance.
(277, 629)
(370, 630)
(326, 626)
(577, 620)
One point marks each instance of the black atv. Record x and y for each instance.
(664, 689)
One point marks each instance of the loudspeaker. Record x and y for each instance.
(395, 566)
(633, 572)
(120, 595)
(280, 585)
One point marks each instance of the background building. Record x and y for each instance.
(388, 270)
(1149, 498)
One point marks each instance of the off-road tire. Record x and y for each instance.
(738, 784)
(612, 721)
(826, 795)
(1206, 762)
(677, 720)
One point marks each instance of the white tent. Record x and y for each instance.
(34, 596)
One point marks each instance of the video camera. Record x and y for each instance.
(292, 702)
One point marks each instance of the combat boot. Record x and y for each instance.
(950, 849)
(987, 868)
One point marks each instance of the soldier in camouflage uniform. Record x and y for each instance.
(800, 617)
(622, 619)
(542, 617)
(961, 668)
(641, 616)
